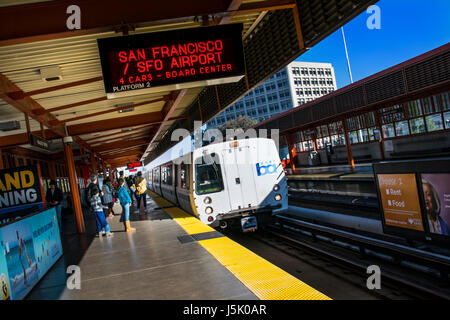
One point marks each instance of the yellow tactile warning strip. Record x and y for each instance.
(357, 175)
(313, 176)
(265, 280)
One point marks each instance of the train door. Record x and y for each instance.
(239, 178)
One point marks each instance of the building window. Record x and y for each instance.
(363, 135)
(417, 125)
(353, 137)
(434, 122)
(445, 101)
(447, 120)
(429, 107)
(414, 108)
(401, 128)
(374, 134)
(388, 130)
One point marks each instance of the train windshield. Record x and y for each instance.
(208, 178)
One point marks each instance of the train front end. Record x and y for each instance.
(239, 183)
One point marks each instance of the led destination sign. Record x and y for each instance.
(171, 60)
(133, 165)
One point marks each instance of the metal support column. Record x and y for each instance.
(93, 164)
(351, 161)
(52, 170)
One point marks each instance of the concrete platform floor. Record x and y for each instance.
(150, 263)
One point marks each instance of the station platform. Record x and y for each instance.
(171, 255)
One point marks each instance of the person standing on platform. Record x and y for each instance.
(88, 192)
(96, 205)
(108, 196)
(125, 201)
(122, 175)
(141, 188)
(54, 197)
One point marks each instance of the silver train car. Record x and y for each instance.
(234, 183)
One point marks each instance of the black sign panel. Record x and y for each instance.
(170, 60)
(134, 165)
(20, 188)
(39, 142)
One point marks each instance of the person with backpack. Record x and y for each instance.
(97, 207)
(141, 188)
(108, 193)
(88, 192)
(125, 201)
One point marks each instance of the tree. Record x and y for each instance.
(242, 122)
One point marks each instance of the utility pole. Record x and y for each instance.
(346, 54)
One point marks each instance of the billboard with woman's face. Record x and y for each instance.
(436, 197)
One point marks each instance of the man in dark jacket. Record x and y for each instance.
(54, 197)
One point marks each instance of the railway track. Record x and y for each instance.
(405, 272)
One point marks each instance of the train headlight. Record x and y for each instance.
(278, 197)
(209, 210)
(276, 187)
(210, 219)
(207, 200)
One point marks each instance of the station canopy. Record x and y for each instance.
(51, 79)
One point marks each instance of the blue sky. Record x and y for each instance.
(408, 29)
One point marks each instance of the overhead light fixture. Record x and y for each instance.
(51, 73)
(124, 105)
(126, 110)
(9, 125)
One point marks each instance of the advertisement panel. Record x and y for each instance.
(30, 246)
(20, 189)
(436, 198)
(400, 200)
(414, 198)
(4, 278)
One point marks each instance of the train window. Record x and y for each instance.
(208, 178)
(184, 176)
(169, 175)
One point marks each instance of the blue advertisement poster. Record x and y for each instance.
(46, 240)
(31, 246)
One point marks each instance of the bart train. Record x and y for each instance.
(234, 183)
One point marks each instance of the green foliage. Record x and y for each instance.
(242, 122)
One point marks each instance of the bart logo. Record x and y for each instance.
(4, 287)
(267, 169)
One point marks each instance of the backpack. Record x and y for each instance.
(88, 194)
(140, 186)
